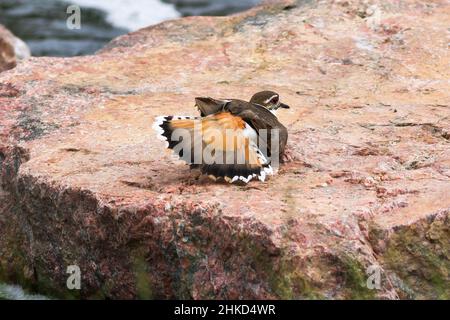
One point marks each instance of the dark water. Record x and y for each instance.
(211, 7)
(42, 23)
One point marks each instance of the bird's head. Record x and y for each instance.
(268, 99)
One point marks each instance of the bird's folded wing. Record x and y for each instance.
(208, 106)
(268, 128)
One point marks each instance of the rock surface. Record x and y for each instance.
(85, 182)
(12, 49)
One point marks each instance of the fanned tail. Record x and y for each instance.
(236, 156)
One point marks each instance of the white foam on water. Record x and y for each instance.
(17, 293)
(131, 14)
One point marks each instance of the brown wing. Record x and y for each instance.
(208, 106)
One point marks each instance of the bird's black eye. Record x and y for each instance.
(275, 100)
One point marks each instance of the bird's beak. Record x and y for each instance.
(284, 106)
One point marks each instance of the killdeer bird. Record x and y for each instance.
(237, 135)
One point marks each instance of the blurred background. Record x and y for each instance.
(42, 23)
